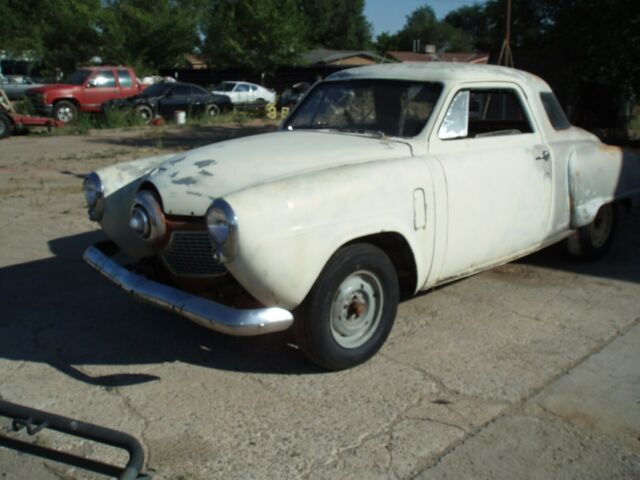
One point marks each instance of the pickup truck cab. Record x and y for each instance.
(384, 181)
(85, 90)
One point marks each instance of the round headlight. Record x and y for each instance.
(94, 195)
(222, 226)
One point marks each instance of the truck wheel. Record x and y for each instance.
(350, 310)
(145, 113)
(5, 126)
(592, 241)
(65, 111)
(213, 110)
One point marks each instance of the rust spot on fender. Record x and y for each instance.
(204, 163)
(177, 160)
(185, 181)
(205, 173)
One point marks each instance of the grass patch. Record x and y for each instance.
(24, 106)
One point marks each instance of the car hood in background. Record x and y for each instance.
(189, 181)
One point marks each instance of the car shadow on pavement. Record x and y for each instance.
(61, 312)
(621, 262)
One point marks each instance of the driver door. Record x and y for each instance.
(499, 178)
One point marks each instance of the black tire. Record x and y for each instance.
(212, 110)
(6, 127)
(65, 111)
(592, 241)
(145, 113)
(361, 283)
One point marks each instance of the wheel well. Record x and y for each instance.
(399, 252)
(70, 100)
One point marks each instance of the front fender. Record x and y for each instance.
(290, 228)
(121, 182)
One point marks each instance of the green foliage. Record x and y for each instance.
(336, 24)
(423, 25)
(255, 34)
(148, 34)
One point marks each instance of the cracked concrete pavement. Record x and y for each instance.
(529, 370)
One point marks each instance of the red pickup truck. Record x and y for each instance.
(84, 90)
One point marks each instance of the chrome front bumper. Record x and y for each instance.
(204, 312)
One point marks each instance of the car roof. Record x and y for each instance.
(438, 72)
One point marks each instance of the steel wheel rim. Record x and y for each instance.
(213, 110)
(145, 114)
(65, 114)
(601, 226)
(356, 309)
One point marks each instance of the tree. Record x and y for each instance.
(148, 34)
(254, 34)
(423, 25)
(337, 24)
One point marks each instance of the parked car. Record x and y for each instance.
(291, 96)
(163, 99)
(84, 90)
(16, 86)
(244, 92)
(384, 181)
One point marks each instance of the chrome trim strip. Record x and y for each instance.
(204, 312)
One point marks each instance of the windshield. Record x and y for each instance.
(156, 90)
(78, 77)
(388, 107)
(224, 87)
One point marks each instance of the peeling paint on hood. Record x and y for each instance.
(189, 181)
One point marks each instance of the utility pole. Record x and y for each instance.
(506, 57)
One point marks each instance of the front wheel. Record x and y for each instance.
(65, 111)
(213, 110)
(592, 241)
(144, 113)
(350, 310)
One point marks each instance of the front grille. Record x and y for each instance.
(190, 254)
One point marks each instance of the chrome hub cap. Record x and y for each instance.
(356, 309)
(601, 226)
(65, 114)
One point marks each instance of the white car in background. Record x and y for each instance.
(245, 92)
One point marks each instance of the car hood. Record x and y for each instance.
(53, 87)
(189, 181)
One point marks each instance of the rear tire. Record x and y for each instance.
(591, 242)
(212, 110)
(350, 310)
(6, 127)
(65, 111)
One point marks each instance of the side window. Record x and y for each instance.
(253, 88)
(195, 90)
(242, 87)
(554, 111)
(103, 80)
(181, 91)
(124, 78)
(487, 113)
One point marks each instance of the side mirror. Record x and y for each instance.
(456, 121)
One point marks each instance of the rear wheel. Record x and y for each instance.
(213, 110)
(592, 241)
(351, 308)
(65, 111)
(5, 126)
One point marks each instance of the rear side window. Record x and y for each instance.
(556, 115)
(181, 91)
(196, 90)
(124, 78)
(103, 79)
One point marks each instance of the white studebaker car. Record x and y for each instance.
(385, 180)
(245, 92)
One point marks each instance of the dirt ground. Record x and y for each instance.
(529, 370)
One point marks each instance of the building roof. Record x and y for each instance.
(440, 57)
(324, 57)
(440, 72)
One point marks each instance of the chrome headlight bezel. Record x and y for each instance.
(93, 189)
(151, 224)
(222, 227)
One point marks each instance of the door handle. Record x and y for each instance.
(545, 155)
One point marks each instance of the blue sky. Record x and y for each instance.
(390, 15)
